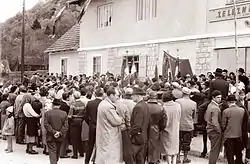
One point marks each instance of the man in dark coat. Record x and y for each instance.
(242, 102)
(65, 107)
(156, 115)
(219, 84)
(90, 116)
(242, 77)
(56, 125)
(139, 126)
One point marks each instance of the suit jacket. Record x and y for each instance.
(90, 115)
(245, 123)
(220, 85)
(213, 118)
(55, 120)
(232, 119)
(139, 123)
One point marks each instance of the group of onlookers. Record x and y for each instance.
(110, 123)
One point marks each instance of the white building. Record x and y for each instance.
(199, 30)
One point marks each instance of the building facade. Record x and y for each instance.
(141, 30)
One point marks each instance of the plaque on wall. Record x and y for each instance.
(227, 13)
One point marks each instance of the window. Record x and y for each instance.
(146, 9)
(237, 1)
(133, 60)
(104, 15)
(97, 64)
(64, 64)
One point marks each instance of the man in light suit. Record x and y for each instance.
(214, 131)
(56, 125)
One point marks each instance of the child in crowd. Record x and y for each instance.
(8, 129)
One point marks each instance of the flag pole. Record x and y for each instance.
(236, 47)
(23, 42)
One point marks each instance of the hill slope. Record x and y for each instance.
(38, 27)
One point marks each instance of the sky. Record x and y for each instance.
(9, 8)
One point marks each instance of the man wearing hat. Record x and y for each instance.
(56, 125)
(188, 111)
(156, 115)
(219, 84)
(242, 77)
(139, 126)
(232, 119)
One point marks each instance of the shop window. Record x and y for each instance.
(133, 60)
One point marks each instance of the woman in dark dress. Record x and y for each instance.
(31, 120)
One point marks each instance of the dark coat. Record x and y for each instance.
(65, 107)
(139, 123)
(244, 123)
(37, 106)
(154, 141)
(90, 115)
(244, 79)
(55, 120)
(220, 85)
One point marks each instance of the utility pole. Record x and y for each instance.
(23, 43)
(236, 47)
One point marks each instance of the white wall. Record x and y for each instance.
(55, 62)
(174, 19)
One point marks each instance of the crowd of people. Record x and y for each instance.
(110, 123)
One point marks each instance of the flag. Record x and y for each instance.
(177, 68)
(164, 66)
(126, 71)
(133, 69)
(156, 72)
(123, 69)
(84, 9)
(82, 12)
(170, 70)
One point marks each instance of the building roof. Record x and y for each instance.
(68, 42)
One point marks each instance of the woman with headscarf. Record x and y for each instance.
(32, 126)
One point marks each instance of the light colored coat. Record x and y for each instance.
(170, 135)
(8, 127)
(108, 134)
(47, 106)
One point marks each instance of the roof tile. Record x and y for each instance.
(69, 41)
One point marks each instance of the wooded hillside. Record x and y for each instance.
(38, 27)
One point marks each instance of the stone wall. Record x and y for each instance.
(204, 54)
